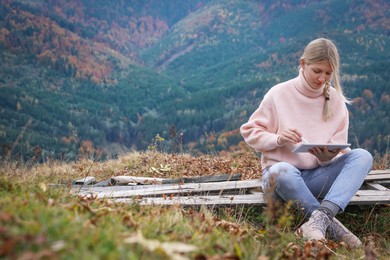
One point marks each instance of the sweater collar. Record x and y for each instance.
(304, 88)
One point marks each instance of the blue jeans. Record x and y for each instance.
(337, 182)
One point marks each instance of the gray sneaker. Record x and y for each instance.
(315, 227)
(339, 232)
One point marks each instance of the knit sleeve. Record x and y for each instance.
(260, 130)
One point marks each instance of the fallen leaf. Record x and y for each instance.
(58, 245)
(43, 186)
(8, 246)
(5, 217)
(171, 249)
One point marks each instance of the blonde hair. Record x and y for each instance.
(324, 49)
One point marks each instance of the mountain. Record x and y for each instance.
(106, 76)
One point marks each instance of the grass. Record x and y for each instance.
(39, 221)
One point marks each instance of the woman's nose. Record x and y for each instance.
(322, 78)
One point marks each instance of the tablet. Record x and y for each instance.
(304, 147)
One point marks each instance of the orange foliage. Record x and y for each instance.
(361, 104)
(3, 34)
(376, 14)
(48, 56)
(58, 46)
(65, 140)
(385, 98)
(86, 148)
(264, 64)
(231, 133)
(368, 94)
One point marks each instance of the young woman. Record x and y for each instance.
(307, 107)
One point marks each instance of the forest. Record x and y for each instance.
(106, 78)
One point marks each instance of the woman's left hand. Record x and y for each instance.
(323, 154)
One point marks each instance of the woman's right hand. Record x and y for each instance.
(290, 135)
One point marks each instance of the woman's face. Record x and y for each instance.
(317, 74)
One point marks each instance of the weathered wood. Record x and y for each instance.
(371, 197)
(103, 183)
(134, 180)
(378, 177)
(197, 200)
(209, 190)
(385, 183)
(375, 186)
(155, 190)
(374, 172)
(361, 197)
(257, 198)
(85, 181)
(204, 179)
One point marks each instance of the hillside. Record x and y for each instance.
(112, 76)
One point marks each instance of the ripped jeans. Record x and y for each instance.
(337, 182)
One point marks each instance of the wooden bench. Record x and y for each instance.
(209, 190)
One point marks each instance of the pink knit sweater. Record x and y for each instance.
(294, 104)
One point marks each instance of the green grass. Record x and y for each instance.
(39, 220)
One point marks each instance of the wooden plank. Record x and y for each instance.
(197, 200)
(154, 190)
(371, 197)
(373, 172)
(377, 177)
(385, 183)
(204, 179)
(361, 198)
(122, 180)
(375, 186)
(134, 180)
(85, 181)
(193, 193)
(373, 192)
(98, 189)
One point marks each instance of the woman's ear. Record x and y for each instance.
(302, 62)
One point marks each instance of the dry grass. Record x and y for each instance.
(39, 222)
(146, 164)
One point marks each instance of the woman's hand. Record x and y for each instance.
(290, 135)
(323, 154)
